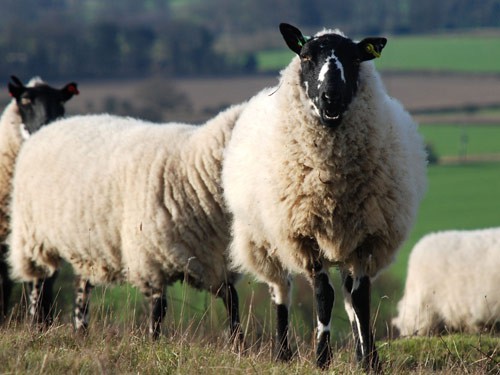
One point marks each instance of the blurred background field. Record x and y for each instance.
(185, 60)
(461, 52)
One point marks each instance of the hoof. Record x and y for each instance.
(284, 354)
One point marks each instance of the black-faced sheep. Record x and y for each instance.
(452, 284)
(324, 170)
(32, 107)
(126, 201)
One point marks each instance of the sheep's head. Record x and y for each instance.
(330, 68)
(40, 104)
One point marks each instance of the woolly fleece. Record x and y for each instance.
(300, 191)
(453, 283)
(123, 200)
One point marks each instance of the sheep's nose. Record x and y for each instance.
(325, 97)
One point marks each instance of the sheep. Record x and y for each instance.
(432, 302)
(32, 107)
(125, 200)
(323, 170)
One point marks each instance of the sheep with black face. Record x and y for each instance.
(32, 107)
(324, 170)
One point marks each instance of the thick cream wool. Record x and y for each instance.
(300, 191)
(123, 200)
(452, 284)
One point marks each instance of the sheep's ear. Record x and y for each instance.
(371, 48)
(68, 91)
(16, 87)
(293, 37)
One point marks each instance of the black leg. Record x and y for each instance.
(284, 351)
(357, 302)
(280, 294)
(82, 300)
(158, 312)
(229, 295)
(325, 297)
(5, 284)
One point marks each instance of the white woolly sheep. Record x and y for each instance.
(125, 200)
(32, 107)
(323, 170)
(438, 264)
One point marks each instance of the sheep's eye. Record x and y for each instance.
(25, 101)
(305, 57)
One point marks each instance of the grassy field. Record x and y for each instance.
(460, 196)
(439, 53)
(109, 349)
(451, 140)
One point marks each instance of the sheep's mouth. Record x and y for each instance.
(331, 118)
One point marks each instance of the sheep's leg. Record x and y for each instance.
(325, 297)
(158, 304)
(357, 304)
(280, 294)
(82, 300)
(229, 296)
(41, 299)
(5, 283)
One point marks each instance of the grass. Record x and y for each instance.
(452, 140)
(113, 349)
(459, 197)
(434, 53)
(456, 53)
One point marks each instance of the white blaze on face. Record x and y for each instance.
(313, 105)
(326, 67)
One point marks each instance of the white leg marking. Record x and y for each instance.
(322, 328)
(279, 295)
(353, 317)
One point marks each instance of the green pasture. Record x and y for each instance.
(458, 197)
(452, 140)
(461, 195)
(434, 53)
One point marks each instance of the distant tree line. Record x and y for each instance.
(111, 49)
(121, 38)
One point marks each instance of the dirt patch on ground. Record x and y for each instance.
(417, 92)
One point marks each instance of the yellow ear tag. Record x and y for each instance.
(371, 50)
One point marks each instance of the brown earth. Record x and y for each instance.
(419, 92)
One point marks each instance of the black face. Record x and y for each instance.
(40, 104)
(329, 75)
(330, 69)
